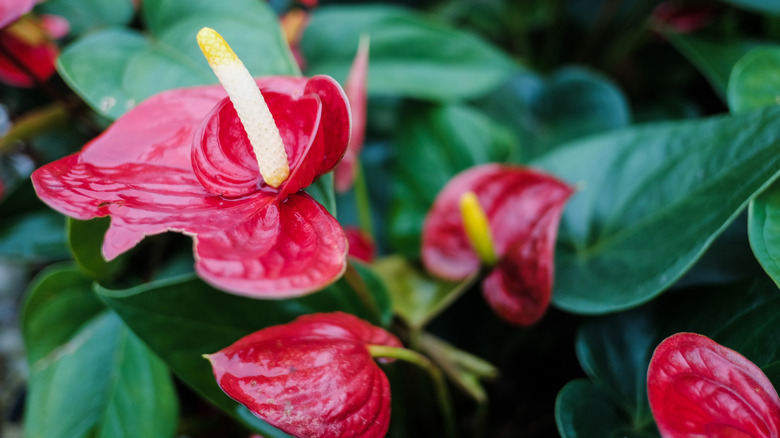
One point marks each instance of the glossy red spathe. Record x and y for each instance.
(28, 50)
(181, 161)
(699, 388)
(11, 10)
(361, 244)
(523, 207)
(313, 377)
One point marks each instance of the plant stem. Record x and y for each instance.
(360, 287)
(362, 200)
(34, 123)
(442, 393)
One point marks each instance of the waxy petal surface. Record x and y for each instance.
(282, 250)
(699, 388)
(356, 89)
(515, 200)
(140, 172)
(313, 377)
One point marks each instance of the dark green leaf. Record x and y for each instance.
(89, 375)
(435, 143)
(182, 319)
(85, 239)
(764, 230)
(713, 58)
(585, 410)
(652, 199)
(34, 236)
(115, 69)
(411, 54)
(85, 15)
(755, 80)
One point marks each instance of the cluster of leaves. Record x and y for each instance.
(663, 115)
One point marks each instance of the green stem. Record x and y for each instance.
(35, 122)
(442, 393)
(360, 287)
(362, 200)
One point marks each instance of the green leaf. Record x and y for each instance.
(115, 69)
(755, 80)
(416, 297)
(85, 239)
(436, 142)
(86, 15)
(89, 375)
(761, 6)
(323, 191)
(211, 320)
(652, 199)
(411, 54)
(615, 350)
(713, 58)
(34, 236)
(585, 410)
(764, 230)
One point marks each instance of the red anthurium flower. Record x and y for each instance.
(356, 89)
(313, 377)
(699, 388)
(182, 161)
(516, 212)
(361, 245)
(28, 51)
(683, 18)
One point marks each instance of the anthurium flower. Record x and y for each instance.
(11, 10)
(184, 160)
(699, 388)
(504, 218)
(313, 377)
(356, 89)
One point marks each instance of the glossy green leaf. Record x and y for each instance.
(436, 142)
(411, 54)
(761, 6)
(651, 200)
(115, 69)
(713, 58)
(755, 80)
(615, 350)
(85, 239)
(34, 236)
(764, 230)
(86, 15)
(182, 319)
(90, 376)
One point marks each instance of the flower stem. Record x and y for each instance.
(362, 200)
(360, 287)
(442, 393)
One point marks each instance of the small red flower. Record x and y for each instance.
(313, 377)
(699, 388)
(181, 161)
(361, 245)
(522, 208)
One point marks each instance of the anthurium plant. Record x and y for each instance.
(448, 218)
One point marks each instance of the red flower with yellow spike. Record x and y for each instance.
(505, 219)
(227, 171)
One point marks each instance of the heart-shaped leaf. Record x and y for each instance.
(116, 68)
(89, 374)
(653, 199)
(86, 15)
(411, 54)
(755, 80)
